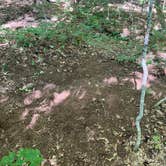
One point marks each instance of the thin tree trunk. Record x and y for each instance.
(145, 77)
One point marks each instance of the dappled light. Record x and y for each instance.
(3, 44)
(21, 22)
(128, 6)
(47, 105)
(3, 99)
(111, 81)
(49, 100)
(58, 98)
(137, 80)
(162, 55)
(125, 32)
(16, 2)
(134, 78)
(48, 87)
(33, 121)
(74, 83)
(25, 114)
(30, 98)
(80, 93)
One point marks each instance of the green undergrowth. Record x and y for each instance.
(25, 156)
(158, 40)
(99, 28)
(45, 10)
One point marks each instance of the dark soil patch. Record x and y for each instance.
(91, 127)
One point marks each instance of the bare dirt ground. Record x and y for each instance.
(78, 108)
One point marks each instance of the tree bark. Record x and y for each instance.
(145, 77)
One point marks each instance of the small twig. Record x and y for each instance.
(159, 102)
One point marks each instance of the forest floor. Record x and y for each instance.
(78, 107)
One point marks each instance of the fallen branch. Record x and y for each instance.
(159, 102)
(144, 78)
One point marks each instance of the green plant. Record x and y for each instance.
(38, 73)
(24, 157)
(85, 25)
(92, 3)
(158, 35)
(3, 35)
(149, 91)
(28, 37)
(156, 140)
(4, 68)
(27, 88)
(149, 62)
(158, 40)
(126, 58)
(142, 2)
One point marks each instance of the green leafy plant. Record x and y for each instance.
(4, 68)
(125, 58)
(82, 28)
(38, 73)
(24, 157)
(156, 140)
(148, 91)
(27, 88)
(28, 37)
(85, 25)
(158, 40)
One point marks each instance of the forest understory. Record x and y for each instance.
(75, 97)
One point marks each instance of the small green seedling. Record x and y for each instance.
(4, 68)
(149, 91)
(156, 139)
(38, 73)
(27, 88)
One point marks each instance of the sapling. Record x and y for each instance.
(144, 77)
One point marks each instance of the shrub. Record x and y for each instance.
(30, 157)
